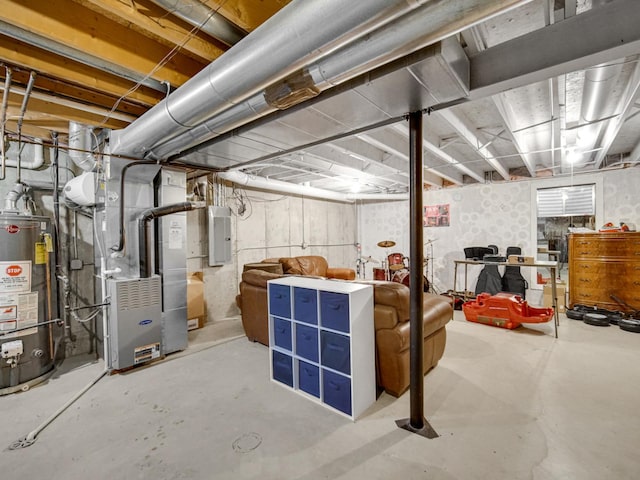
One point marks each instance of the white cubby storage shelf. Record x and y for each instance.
(321, 341)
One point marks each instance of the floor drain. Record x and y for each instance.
(247, 442)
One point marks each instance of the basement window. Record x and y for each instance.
(558, 209)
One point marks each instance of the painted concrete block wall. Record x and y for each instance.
(273, 226)
(501, 214)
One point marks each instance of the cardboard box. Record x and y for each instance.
(519, 259)
(195, 323)
(561, 292)
(196, 315)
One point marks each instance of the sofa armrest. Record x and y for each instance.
(259, 278)
(341, 273)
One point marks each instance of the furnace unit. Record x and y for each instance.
(135, 321)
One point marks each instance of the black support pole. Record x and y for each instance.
(416, 423)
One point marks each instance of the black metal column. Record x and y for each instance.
(416, 423)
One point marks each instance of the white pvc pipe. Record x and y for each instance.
(36, 163)
(241, 178)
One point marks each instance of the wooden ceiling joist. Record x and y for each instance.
(32, 58)
(152, 21)
(78, 27)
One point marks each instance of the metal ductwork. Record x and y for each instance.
(12, 197)
(205, 18)
(281, 46)
(80, 141)
(599, 82)
(143, 238)
(433, 22)
(262, 183)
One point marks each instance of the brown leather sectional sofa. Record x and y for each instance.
(391, 320)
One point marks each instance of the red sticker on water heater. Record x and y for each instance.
(14, 270)
(12, 228)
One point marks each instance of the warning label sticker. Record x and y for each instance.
(18, 311)
(15, 276)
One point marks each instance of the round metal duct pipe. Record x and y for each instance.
(427, 25)
(297, 35)
(80, 146)
(262, 183)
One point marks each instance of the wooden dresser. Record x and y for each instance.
(602, 264)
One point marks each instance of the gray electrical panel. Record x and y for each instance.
(135, 321)
(219, 236)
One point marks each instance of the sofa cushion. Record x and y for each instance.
(258, 278)
(305, 265)
(341, 273)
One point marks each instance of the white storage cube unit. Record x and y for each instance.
(321, 341)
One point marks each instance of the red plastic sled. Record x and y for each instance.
(505, 310)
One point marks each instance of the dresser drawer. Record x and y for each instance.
(606, 248)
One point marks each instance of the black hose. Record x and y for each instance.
(143, 240)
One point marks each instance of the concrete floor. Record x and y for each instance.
(507, 405)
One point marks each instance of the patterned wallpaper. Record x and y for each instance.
(499, 214)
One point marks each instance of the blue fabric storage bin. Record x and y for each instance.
(336, 391)
(334, 311)
(305, 305)
(309, 378)
(335, 351)
(282, 333)
(307, 342)
(280, 300)
(283, 368)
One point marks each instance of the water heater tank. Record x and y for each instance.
(28, 296)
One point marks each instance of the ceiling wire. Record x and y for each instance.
(192, 33)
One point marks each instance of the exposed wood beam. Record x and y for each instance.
(247, 14)
(61, 112)
(59, 90)
(36, 131)
(32, 58)
(150, 20)
(82, 29)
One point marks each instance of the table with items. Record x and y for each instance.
(551, 265)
